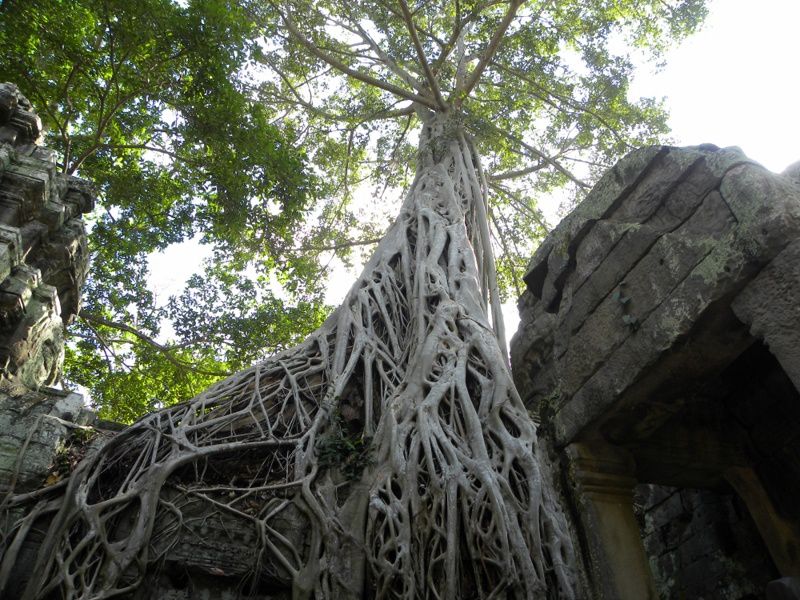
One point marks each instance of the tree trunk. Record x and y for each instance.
(393, 435)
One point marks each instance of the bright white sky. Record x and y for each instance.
(734, 84)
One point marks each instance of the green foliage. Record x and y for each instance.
(223, 321)
(338, 450)
(152, 101)
(238, 319)
(232, 123)
(128, 377)
(550, 111)
(70, 451)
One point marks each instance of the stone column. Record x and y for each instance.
(602, 482)
(781, 536)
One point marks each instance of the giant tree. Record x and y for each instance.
(393, 436)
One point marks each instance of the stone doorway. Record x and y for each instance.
(660, 344)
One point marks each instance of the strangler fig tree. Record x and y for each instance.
(389, 454)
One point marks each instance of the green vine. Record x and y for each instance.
(69, 453)
(336, 450)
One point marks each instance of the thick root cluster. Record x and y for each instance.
(387, 456)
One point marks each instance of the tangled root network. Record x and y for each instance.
(387, 456)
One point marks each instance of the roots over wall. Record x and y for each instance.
(387, 456)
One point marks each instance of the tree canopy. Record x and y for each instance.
(543, 88)
(151, 102)
(252, 126)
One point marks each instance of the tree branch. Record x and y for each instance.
(385, 58)
(412, 31)
(518, 172)
(506, 254)
(541, 156)
(151, 149)
(489, 52)
(535, 214)
(355, 74)
(340, 246)
(567, 101)
(388, 113)
(102, 123)
(165, 350)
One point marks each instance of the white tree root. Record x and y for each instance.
(444, 498)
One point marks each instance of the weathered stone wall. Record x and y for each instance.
(660, 343)
(43, 252)
(43, 264)
(627, 276)
(702, 544)
(33, 426)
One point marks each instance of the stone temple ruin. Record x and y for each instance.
(43, 264)
(659, 351)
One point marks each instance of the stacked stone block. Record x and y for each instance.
(43, 252)
(702, 544)
(43, 264)
(660, 344)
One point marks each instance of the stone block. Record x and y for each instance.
(639, 306)
(770, 305)
(33, 425)
(11, 239)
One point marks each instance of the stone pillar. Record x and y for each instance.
(602, 482)
(781, 536)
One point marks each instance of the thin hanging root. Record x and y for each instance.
(393, 438)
